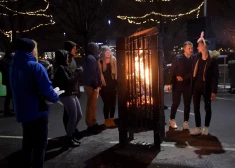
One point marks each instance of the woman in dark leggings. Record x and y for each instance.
(108, 90)
(67, 80)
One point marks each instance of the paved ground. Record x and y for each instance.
(102, 151)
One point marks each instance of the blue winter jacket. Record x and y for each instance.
(28, 78)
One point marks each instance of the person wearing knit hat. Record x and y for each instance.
(31, 88)
(108, 92)
(92, 84)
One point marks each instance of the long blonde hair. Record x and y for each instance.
(36, 49)
(102, 56)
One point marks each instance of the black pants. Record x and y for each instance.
(176, 97)
(7, 103)
(197, 93)
(109, 100)
(34, 142)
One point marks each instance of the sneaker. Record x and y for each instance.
(185, 125)
(173, 124)
(196, 131)
(205, 131)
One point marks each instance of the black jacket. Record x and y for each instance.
(178, 68)
(211, 74)
(5, 63)
(67, 80)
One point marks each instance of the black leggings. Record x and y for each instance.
(109, 99)
(176, 98)
(197, 93)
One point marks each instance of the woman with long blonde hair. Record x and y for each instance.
(108, 90)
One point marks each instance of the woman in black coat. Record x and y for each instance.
(67, 80)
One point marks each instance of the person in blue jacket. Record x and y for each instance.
(31, 87)
(92, 85)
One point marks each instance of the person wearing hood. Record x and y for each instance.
(67, 80)
(108, 92)
(205, 83)
(4, 68)
(71, 48)
(92, 85)
(29, 82)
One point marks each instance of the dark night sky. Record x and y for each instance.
(222, 10)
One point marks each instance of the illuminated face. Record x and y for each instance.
(107, 56)
(73, 51)
(201, 47)
(188, 49)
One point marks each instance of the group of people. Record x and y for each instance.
(33, 87)
(194, 76)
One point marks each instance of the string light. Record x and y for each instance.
(27, 13)
(34, 13)
(9, 33)
(131, 19)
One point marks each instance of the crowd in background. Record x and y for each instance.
(33, 84)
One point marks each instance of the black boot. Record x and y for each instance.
(94, 129)
(77, 135)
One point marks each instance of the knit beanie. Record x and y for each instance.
(24, 44)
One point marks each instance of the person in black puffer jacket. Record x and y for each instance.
(67, 80)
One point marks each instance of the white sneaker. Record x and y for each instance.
(173, 124)
(205, 131)
(185, 125)
(196, 131)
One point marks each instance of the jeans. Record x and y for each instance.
(34, 142)
(73, 108)
(109, 99)
(176, 97)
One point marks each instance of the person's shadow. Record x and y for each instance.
(205, 144)
(132, 155)
(55, 147)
